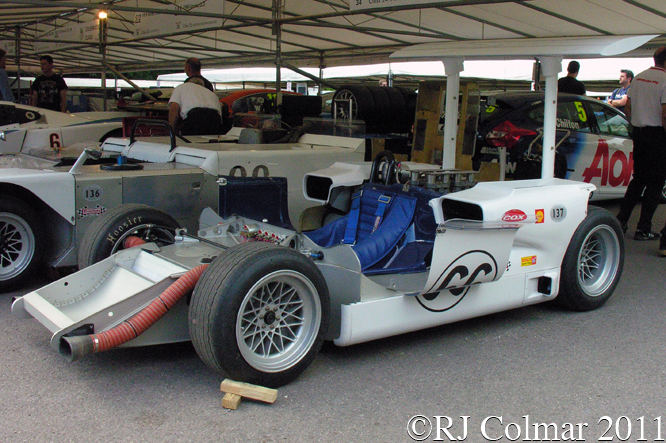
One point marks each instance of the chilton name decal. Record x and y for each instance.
(514, 215)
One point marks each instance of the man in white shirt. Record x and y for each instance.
(195, 110)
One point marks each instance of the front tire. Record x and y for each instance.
(593, 263)
(106, 235)
(21, 243)
(259, 314)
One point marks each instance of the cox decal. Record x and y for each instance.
(514, 215)
(613, 170)
(471, 268)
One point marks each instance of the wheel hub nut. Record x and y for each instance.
(269, 318)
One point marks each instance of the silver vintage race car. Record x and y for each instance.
(415, 248)
(47, 202)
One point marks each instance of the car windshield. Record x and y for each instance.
(610, 121)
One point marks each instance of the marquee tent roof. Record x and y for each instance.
(599, 69)
(161, 34)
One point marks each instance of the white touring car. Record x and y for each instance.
(25, 128)
(407, 255)
(47, 202)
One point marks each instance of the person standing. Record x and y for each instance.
(570, 83)
(193, 71)
(49, 90)
(5, 89)
(618, 98)
(195, 109)
(646, 111)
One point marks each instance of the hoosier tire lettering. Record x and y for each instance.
(129, 223)
(105, 235)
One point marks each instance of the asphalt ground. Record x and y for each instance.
(533, 374)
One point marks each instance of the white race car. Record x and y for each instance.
(27, 128)
(406, 256)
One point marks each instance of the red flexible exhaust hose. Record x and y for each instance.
(133, 241)
(76, 347)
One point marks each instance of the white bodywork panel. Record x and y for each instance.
(551, 211)
(56, 189)
(57, 130)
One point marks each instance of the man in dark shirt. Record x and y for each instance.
(49, 90)
(569, 83)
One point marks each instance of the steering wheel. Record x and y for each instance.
(383, 168)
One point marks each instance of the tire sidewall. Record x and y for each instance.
(228, 301)
(572, 295)
(21, 210)
(104, 233)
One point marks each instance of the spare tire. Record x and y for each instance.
(362, 103)
(401, 118)
(382, 118)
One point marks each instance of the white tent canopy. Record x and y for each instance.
(591, 69)
(158, 34)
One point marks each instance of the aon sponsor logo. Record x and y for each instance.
(613, 170)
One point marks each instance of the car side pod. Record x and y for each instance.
(73, 348)
(85, 306)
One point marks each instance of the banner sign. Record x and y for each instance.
(358, 5)
(66, 36)
(9, 47)
(149, 24)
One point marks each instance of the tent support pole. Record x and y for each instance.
(277, 32)
(134, 85)
(103, 49)
(17, 58)
(453, 66)
(310, 76)
(551, 67)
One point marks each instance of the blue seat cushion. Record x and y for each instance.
(372, 244)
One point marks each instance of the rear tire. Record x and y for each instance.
(593, 263)
(21, 243)
(106, 234)
(362, 103)
(259, 314)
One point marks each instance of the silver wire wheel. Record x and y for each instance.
(278, 321)
(592, 265)
(233, 331)
(17, 245)
(346, 105)
(599, 260)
